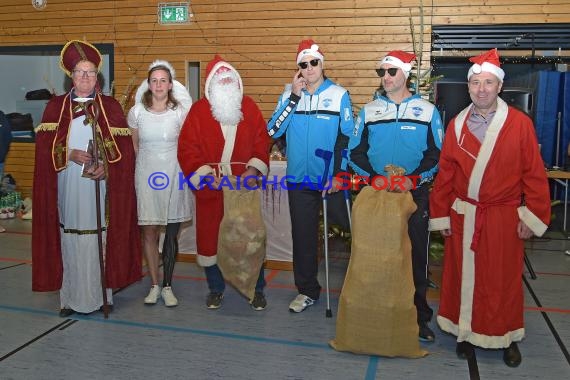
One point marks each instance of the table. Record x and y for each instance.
(562, 178)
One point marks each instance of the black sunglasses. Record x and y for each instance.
(313, 62)
(392, 71)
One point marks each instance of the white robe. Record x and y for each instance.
(81, 285)
(157, 158)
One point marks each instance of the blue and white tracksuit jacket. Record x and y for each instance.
(320, 121)
(408, 135)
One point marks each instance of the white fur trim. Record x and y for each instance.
(391, 60)
(213, 72)
(480, 340)
(161, 62)
(468, 263)
(201, 171)
(313, 52)
(225, 161)
(259, 165)
(532, 221)
(488, 67)
(206, 261)
(438, 224)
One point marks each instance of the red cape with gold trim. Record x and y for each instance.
(123, 246)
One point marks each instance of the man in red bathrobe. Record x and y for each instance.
(491, 193)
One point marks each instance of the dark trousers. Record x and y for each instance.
(305, 207)
(217, 284)
(419, 237)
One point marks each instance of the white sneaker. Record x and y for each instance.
(300, 303)
(153, 295)
(168, 297)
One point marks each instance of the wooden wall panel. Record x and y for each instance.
(260, 37)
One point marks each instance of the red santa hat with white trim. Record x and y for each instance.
(211, 69)
(489, 62)
(400, 59)
(309, 47)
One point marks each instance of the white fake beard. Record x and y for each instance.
(225, 100)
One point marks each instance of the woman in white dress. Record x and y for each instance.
(155, 121)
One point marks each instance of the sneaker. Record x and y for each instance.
(169, 299)
(300, 303)
(259, 302)
(153, 295)
(425, 333)
(214, 300)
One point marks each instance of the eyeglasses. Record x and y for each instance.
(313, 62)
(392, 71)
(82, 73)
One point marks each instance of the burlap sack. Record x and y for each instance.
(376, 312)
(241, 241)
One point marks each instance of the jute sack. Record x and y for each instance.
(241, 241)
(376, 312)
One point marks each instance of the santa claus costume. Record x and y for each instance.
(222, 135)
(491, 177)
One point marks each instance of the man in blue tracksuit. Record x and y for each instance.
(404, 130)
(313, 114)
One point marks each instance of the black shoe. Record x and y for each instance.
(425, 333)
(214, 300)
(512, 356)
(464, 350)
(66, 312)
(259, 302)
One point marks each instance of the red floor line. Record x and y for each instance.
(268, 279)
(272, 274)
(287, 286)
(553, 274)
(16, 232)
(9, 259)
(548, 309)
(190, 278)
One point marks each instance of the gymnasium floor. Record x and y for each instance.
(235, 342)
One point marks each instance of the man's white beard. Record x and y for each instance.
(225, 100)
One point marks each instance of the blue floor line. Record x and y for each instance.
(27, 310)
(172, 328)
(372, 368)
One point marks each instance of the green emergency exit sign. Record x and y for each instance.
(173, 13)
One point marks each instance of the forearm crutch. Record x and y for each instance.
(326, 155)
